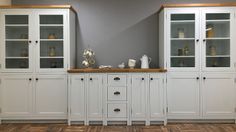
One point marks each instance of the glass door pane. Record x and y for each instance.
(217, 40)
(16, 42)
(51, 41)
(182, 45)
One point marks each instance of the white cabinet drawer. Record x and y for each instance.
(117, 80)
(117, 111)
(117, 93)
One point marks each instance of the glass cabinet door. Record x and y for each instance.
(16, 44)
(217, 41)
(51, 48)
(182, 40)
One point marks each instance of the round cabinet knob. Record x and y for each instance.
(117, 110)
(82, 79)
(151, 78)
(204, 78)
(91, 79)
(142, 78)
(36, 41)
(204, 40)
(197, 78)
(36, 79)
(197, 40)
(29, 41)
(30, 79)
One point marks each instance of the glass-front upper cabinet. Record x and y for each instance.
(51, 48)
(183, 36)
(217, 40)
(15, 42)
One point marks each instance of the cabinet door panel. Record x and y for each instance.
(77, 97)
(218, 96)
(16, 95)
(217, 49)
(51, 39)
(138, 96)
(94, 97)
(156, 94)
(182, 38)
(183, 95)
(51, 95)
(16, 39)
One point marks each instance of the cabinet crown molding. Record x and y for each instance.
(38, 7)
(197, 5)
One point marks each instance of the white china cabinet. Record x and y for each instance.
(37, 48)
(197, 48)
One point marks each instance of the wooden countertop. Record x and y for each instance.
(109, 70)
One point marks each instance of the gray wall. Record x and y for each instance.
(117, 29)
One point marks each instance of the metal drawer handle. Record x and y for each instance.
(116, 93)
(116, 78)
(117, 110)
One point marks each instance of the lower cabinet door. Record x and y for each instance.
(138, 96)
(51, 95)
(16, 95)
(183, 95)
(218, 92)
(156, 95)
(77, 97)
(94, 97)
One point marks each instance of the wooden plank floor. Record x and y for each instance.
(79, 128)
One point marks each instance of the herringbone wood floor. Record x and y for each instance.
(78, 128)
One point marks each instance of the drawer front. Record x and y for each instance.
(117, 111)
(117, 93)
(117, 80)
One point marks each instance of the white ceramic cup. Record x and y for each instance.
(131, 63)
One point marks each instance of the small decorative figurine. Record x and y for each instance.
(89, 58)
(209, 31)
(212, 50)
(52, 36)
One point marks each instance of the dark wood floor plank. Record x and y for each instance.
(79, 128)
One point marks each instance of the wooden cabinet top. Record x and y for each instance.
(110, 70)
(37, 7)
(197, 5)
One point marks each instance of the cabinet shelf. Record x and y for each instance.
(222, 20)
(218, 38)
(52, 57)
(51, 25)
(182, 56)
(16, 39)
(217, 56)
(17, 57)
(16, 25)
(182, 38)
(51, 39)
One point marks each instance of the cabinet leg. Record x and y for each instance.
(129, 123)
(86, 123)
(0, 121)
(165, 122)
(69, 122)
(104, 123)
(147, 123)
